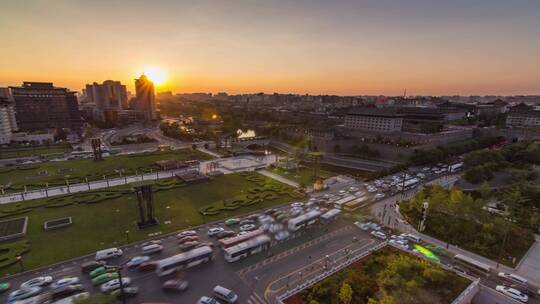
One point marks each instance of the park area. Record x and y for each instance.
(107, 218)
(387, 276)
(45, 151)
(460, 219)
(36, 176)
(302, 175)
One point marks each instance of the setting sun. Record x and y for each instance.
(156, 75)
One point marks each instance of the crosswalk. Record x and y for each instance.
(255, 299)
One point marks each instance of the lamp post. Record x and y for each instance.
(127, 236)
(20, 260)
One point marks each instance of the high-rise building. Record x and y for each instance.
(146, 100)
(8, 124)
(108, 95)
(40, 106)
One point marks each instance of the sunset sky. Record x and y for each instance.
(431, 47)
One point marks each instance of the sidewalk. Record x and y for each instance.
(279, 178)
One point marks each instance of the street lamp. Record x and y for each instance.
(127, 236)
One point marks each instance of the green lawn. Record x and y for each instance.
(37, 151)
(303, 175)
(98, 225)
(56, 173)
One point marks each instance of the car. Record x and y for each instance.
(378, 196)
(244, 232)
(247, 222)
(295, 213)
(188, 239)
(151, 249)
(23, 293)
(148, 266)
(175, 285)
(225, 294)
(124, 293)
(100, 270)
(65, 282)
(248, 227)
(188, 246)
(67, 290)
(225, 234)
(253, 217)
(379, 235)
(514, 278)
(282, 217)
(108, 253)
(100, 279)
(207, 300)
(214, 231)
(297, 205)
(152, 242)
(282, 235)
(137, 260)
(363, 226)
(512, 293)
(4, 286)
(399, 243)
(186, 233)
(114, 284)
(37, 282)
(91, 265)
(232, 221)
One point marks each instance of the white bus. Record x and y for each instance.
(247, 248)
(354, 205)
(184, 260)
(472, 264)
(229, 242)
(408, 184)
(304, 220)
(339, 203)
(330, 216)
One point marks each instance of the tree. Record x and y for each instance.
(345, 293)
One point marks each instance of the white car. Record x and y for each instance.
(363, 226)
(514, 278)
(378, 196)
(65, 282)
(297, 205)
(214, 231)
(378, 235)
(282, 235)
(137, 260)
(512, 293)
(115, 284)
(23, 293)
(37, 282)
(248, 227)
(186, 233)
(400, 243)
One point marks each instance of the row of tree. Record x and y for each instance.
(386, 277)
(443, 153)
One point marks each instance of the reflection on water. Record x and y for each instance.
(245, 134)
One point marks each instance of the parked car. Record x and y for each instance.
(186, 233)
(188, 246)
(214, 231)
(137, 260)
(91, 265)
(23, 293)
(232, 221)
(248, 227)
(37, 282)
(100, 279)
(148, 266)
(512, 293)
(126, 292)
(175, 285)
(65, 282)
(115, 284)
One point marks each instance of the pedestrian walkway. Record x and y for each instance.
(255, 299)
(280, 178)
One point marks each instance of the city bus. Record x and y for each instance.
(339, 203)
(304, 220)
(247, 248)
(354, 205)
(184, 260)
(228, 242)
(472, 264)
(408, 184)
(330, 216)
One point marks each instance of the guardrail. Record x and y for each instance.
(465, 297)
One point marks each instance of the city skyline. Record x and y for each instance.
(349, 48)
